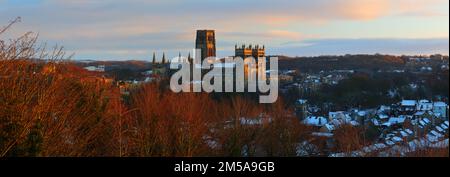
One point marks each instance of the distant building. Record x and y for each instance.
(437, 57)
(250, 51)
(440, 109)
(302, 108)
(159, 69)
(206, 42)
(408, 106)
(100, 68)
(424, 105)
(315, 121)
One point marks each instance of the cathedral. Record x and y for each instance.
(206, 42)
(250, 51)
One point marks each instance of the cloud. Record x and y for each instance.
(364, 46)
(137, 25)
(285, 34)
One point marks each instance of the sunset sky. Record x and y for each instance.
(133, 29)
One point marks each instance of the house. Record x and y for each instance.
(424, 122)
(408, 105)
(404, 134)
(336, 123)
(440, 109)
(410, 132)
(383, 116)
(362, 116)
(419, 114)
(315, 121)
(424, 114)
(384, 109)
(424, 105)
(395, 121)
(340, 115)
(375, 122)
(440, 129)
(328, 128)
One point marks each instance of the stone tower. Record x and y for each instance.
(206, 42)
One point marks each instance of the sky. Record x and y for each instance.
(134, 29)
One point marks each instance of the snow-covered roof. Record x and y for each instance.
(375, 122)
(424, 101)
(383, 107)
(408, 103)
(404, 134)
(330, 127)
(339, 115)
(432, 138)
(302, 101)
(440, 144)
(368, 149)
(390, 135)
(396, 120)
(397, 139)
(252, 121)
(390, 143)
(334, 114)
(380, 146)
(383, 116)
(440, 129)
(419, 113)
(362, 113)
(409, 131)
(100, 68)
(422, 123)
(439, 104)
(425, 106)
(435, 133)
(388, 124)
(315, 121)
(354, 123)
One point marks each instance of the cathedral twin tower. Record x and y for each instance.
(206, 42)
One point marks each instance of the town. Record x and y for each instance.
(392, 124)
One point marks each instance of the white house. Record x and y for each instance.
(408, 105)
(315, 121)
(424, 105)
(394, 121)
(340, 115)
(440, 109)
